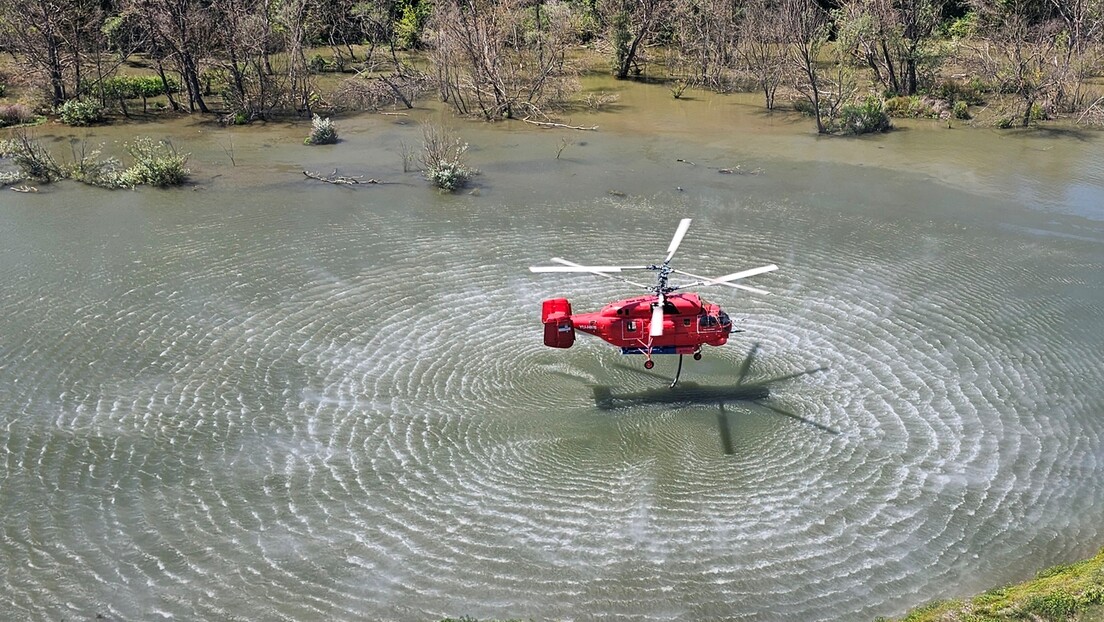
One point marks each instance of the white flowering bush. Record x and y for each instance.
(443, 158)
(323, 132)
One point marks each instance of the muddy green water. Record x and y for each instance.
(261, 397)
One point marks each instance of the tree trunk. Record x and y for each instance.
(626, 63)
(168, 88)
(895, 84)
(191, 79)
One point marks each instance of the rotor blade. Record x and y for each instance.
(726, 433)
(743, 274)
(675, 241)
(574, 269)
(708, 281)
(745, 365)
(795, 375)
(603, 268)
(655, 329)
(589, 269)
(796, 417)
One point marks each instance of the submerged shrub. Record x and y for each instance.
(323, 132)
(155, 163)
(863, 118)
(443, 157)
(33, 160)
(87, 167)
(80, 112)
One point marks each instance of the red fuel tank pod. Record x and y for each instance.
(558, 330)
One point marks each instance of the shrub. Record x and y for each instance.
(804, 106)
(34, 161)
(964, 27)
(3, 89)
(913, 107)
(863, 118)
(317, 64)
(443, 157)
(408, 30)
(80, 112)
(15, 114)
(133, 87)
(972, 92)
(323, 132)
(240, 117)
(88, 168)
(961, 110)
(156, 164)
(1057, 605)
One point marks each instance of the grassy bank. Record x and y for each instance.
(1073, 592)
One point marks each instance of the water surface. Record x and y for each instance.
(264, 397)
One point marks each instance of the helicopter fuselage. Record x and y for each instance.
(688, 323)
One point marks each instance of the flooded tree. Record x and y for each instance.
(630, 22)
(763, 47)
(243, 40)
(1020, 54)
(892, 38)
(707, 35)
(54, 37)
(180, 32)
(292, 16)
(500, 59)
(807, 29)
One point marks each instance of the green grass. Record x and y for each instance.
(1068, 593)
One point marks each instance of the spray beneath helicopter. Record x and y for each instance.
(688, 394)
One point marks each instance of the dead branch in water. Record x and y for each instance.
(334, 178)
(568, 127)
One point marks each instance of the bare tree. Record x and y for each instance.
(500, 59)
(763, 47)
(53, 36)
(1083, 28)
(1021, 52)
(243, 42)
(891, 37)
(707, 33)
(806, 25)
(292, 16)
(181, 31)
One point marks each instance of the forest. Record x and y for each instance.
(848, 64)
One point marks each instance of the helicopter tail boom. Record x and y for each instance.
(559, 332)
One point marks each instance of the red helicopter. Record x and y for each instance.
(663, 322)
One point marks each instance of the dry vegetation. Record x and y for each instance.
(999, 62)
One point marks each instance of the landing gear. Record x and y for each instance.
(648, 364)
(697, 355)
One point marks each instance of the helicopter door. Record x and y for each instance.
(631, 329)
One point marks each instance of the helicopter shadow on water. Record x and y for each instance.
(688, 394)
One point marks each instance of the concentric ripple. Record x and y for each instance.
(281, 421)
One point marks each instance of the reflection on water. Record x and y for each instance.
(264, 397)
